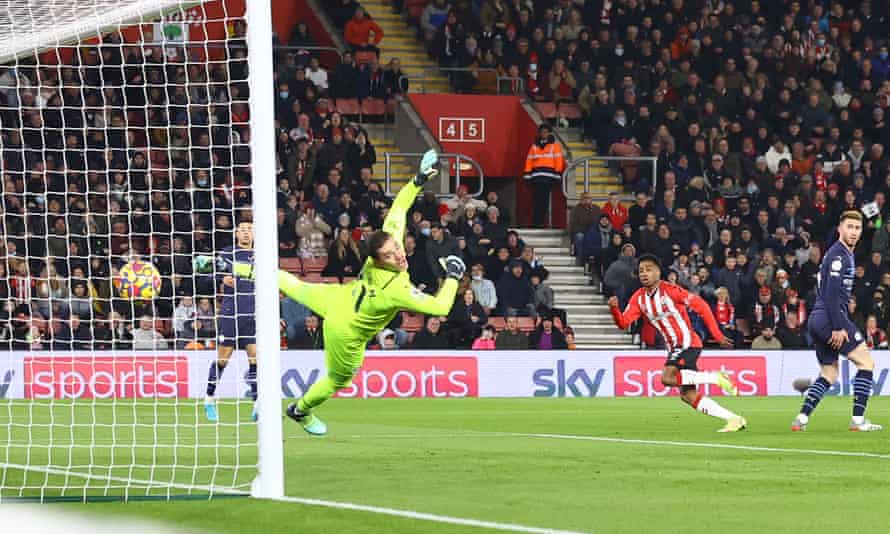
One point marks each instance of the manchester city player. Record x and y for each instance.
(236, 320)
(834, 333)
(356, 311)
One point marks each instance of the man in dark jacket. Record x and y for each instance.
(431, 337)
(511, 338)
(546, 337)
(440, 245)
(516, 295)
(310, 338)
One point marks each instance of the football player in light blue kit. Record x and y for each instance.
(834, 333)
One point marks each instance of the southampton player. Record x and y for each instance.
(356, 311)
(664, 305)
(236, 319)
(834, 333)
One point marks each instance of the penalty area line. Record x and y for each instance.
(422, 516)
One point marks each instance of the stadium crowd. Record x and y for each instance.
(103, 164)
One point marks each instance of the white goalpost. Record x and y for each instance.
(135, 136)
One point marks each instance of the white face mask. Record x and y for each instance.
(477, 277)
(621, 121)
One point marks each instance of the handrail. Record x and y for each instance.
(387, 172)
(586, 162)
(422, 78)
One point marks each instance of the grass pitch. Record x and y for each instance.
(586, 465)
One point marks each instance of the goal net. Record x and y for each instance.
(125, 142)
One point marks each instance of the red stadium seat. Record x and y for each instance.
(526, 324)
(412, 322)
(314, 265)
(547, 110)
(291, 265)
(348, 106)
(373, 107)
(363, 56)
(498, 322)
(570, 111)
(314, 278)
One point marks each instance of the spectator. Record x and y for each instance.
(615, 280)
(434, 16)
(431, 337)
(766, 340)
(543, 293)
(791, 335)
(493, 228)
(459, 203)
(362, 33)
(765, 313)
(486, 341)
(724, 313)
(583, 216)
(543, 168)
(294, 316)
(440, 245)
(511, 338)
(613, 209)
(81, 336)
(483, 288)
(515, 292)
(546, 337)
(874, 336)
(344, 257)
(317, 75)
(344, 81)
(146, 337)
(466, 320)
(311, 337)
(387, 340)
(313, 231)
(185, 311)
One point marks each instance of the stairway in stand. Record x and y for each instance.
(382, 138)
(586, 312)
(400, 41)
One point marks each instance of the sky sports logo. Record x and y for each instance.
(640, 376)
(398, 377)
(104, 377)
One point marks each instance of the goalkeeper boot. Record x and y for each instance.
(253, 414)
(735, 424)
(310, 423)
(210, 411)
(727, 385)
(865, 426)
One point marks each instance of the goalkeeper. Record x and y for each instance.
(356, 311)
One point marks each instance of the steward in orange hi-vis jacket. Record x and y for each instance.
(544, 166)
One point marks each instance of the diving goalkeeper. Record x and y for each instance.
(356, 311)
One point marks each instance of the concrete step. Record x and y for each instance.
(545, 232)
(573, 270)
(599, 330)
(557, 261)
(603, 339)
(596, 320)
(568, 282)
(551, 251)
(547, 242)
(561, 299)
(593, 311)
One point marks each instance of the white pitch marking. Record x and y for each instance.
(411, 514)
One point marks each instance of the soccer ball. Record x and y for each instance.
(138, 280)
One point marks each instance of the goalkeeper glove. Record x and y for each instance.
(205, 264)
(454, 267)
(428, 168)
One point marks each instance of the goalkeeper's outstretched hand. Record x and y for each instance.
(206, 264)
(454, 267)
(428, 168)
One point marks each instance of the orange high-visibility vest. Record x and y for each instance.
(545, 162)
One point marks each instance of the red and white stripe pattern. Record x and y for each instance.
(665, 309)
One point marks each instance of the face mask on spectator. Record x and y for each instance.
(425, 231)
(477, 277)
(622, 121)
(883, 55)
(820, 42)
(752, 188)
(619, 52)
(283, 94)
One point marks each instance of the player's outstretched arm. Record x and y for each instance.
(397, 218)
(410, 298)
(626, 318)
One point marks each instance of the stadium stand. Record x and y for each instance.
(767, 121)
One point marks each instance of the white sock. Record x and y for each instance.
(803, 418)
(695, 378)
(709, 406)
(209, 399)
(858, 419)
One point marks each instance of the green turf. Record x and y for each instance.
(434, 456)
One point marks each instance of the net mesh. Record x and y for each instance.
(124, 135)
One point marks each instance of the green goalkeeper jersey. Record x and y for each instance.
(356, 311)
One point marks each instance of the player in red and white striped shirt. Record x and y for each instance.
(664, 305)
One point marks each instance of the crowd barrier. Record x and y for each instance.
(429, 374)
